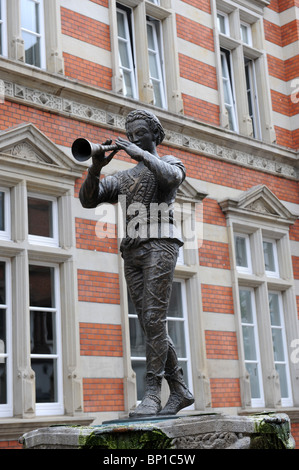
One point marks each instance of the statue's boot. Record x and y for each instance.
(180, 396)
(151, 402)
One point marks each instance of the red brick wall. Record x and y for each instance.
(197, 71)
(217, 299)
(10, 445)
(103, 395)
(100, 340)
(87, 72)
(96, 236)
(225, 392)
(214, 255)
(295, 433)
(85, 29)
(100, 287)
(221, 345)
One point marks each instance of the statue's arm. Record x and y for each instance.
(93, 191)
(169, 171)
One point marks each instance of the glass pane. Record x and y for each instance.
(43, 332)
(154, 72)
(121, 25)
(252, 369)
(32, 49)
(241, 254)
(40, 217)
(45, 380)
(123, 53)
(2, 283)
(269, 256)
(177, 334)
(30, 15)
(249, 343)
(2, 331)
(139, 368)
(128, 84)
(175, 304)
(274, 310)
(246, 306)
(244, 34)
(224, 66)
(137, 338)
(157, 94)
(41, 279)
(2, 197)
(3, 381)
(278, 344)
(227, 92)
(221, 23)
(281, 369)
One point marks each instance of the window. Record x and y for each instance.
(42, 220)
(244, 108)
(155, 55)
(252, 97)
(45, 337)
(245, 31)
(4, 213)
(270, 257)
(279, 347)
(139, 70)
(227, 80)
(251, 345)
(263, 288)
(222, 23)
(5, 341)
(177, 329)
(125, 49)
(243, 255)
(32, 26)
(3, 28)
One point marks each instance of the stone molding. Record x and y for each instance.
(272, 163)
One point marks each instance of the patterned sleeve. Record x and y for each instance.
(93, 192)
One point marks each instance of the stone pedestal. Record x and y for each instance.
(203, 431)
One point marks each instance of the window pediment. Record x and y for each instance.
(188, 193)
(27, 146)
(259, 203)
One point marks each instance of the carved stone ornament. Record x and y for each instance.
(96, 115)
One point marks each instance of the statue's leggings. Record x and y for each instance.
(149, 271)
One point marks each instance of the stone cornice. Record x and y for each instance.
(60, 95)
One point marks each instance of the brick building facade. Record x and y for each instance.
(222, 76)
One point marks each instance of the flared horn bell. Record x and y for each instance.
(83, 149)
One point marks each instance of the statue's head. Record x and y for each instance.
(152, 121)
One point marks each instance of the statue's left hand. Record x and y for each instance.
(132, 149)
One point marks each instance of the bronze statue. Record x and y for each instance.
(150, 250)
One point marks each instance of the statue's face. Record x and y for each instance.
(140, 134)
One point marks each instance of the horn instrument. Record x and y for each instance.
(83, 149)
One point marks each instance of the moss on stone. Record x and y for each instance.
(153, 439)
(271, 432)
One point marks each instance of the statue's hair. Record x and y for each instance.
(152, 120)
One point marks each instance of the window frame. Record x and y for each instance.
(130, 43)
(237, 14)
(6, 410)
(52, 408)
(41, 35)
(226, 54)
(159, 60)
(255, 402)
(255, 116)
(246, 237)
(6, 234)
(225, 22)
(285, 401)
(274, 273)
(249, 32)
(40, 240)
